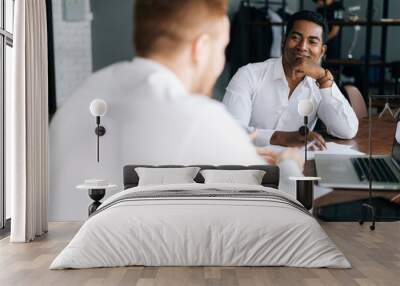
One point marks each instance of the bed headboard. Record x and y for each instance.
(270, 179)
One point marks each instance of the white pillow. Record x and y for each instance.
(165, 176)
(248, 177)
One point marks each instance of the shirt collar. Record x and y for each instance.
(160, 74)
(278, 72)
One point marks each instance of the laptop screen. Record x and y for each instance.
(396, 143)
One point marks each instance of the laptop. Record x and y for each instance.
(349, 171)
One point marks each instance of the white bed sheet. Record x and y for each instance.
(192, 231)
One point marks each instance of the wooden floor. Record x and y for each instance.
(375, 257)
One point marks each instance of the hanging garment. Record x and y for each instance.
(334, 12)
(250, 42)
(277, 32)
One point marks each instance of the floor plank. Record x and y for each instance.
(374, 255)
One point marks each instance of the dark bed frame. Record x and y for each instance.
(270, 179)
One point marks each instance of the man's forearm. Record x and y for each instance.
(286, 138)
(337, 114)
(277, 138)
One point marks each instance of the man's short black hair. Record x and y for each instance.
(311, 16)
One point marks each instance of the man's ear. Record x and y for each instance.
(200, 47)
(322, 57)
(323, 51)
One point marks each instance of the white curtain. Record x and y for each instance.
(27, 123)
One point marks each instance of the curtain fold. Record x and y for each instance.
(27, 123)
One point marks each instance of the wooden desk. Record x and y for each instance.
(383, 134)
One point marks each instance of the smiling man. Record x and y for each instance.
(263, 97)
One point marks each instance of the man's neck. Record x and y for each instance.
(175, 65)
(292, 80)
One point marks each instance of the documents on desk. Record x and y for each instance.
(337, 149)
(332, 149)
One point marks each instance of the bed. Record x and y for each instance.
(201, 224)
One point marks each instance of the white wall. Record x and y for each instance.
(72, 52)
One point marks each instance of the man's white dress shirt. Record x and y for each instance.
(150, 120)
(258, 98)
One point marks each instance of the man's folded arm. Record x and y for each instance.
(237, 98)
(337, 114)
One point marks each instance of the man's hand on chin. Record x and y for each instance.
(305, 66)
(295, 139)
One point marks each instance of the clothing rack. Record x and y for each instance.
(267, 3)
(250, 42)
(367, 62)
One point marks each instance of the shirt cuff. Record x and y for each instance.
(263, 137)
(326, 91)
(331, 95)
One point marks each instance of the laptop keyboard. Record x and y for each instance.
(381, 172)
